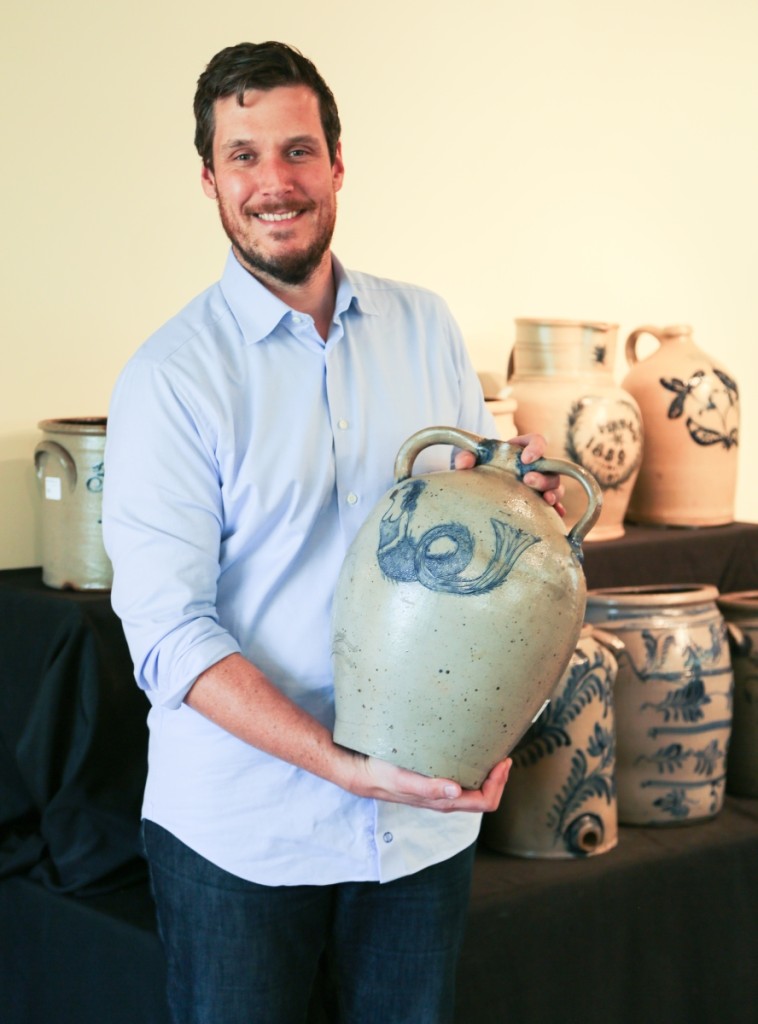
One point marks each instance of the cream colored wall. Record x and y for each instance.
(574, 159)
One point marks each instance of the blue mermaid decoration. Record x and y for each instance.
(441, 555)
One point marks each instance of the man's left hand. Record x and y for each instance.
(534, 445)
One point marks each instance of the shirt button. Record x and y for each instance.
(352, 498)
(388, 837)
(342, 424)
(297, 319)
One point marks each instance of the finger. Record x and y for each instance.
(464, 460)
(544, 482)
(400, 784)
(488, 797)
(533, 445)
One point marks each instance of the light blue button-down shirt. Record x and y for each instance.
(242, 456)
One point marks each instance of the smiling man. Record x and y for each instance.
(247, 441)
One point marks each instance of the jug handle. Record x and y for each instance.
(630, 348)
(482, 448)
(57, 451)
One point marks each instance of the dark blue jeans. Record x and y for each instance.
(354, 953)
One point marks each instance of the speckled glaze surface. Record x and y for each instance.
(458, 606)
(740, 609)
(673, 700)
(690, 408)
(562, 381)
(561, 796)
(69, 467)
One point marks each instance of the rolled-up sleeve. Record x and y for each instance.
(162, 526)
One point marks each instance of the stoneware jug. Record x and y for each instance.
(561, 799)
(673, 700)
(740, 609)
(690, 411)
(457, 609)
(69, 468)
(561, 376)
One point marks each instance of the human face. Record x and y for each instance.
(274, 183)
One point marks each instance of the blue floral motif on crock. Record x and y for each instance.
(587, 682)
(673, 757)
(682, 712)
(707, 422)
(440, 556)
(695, 657)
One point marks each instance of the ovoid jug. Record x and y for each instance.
(673, 700)
(69, 468)
(562, 381)
(740, 609)
(690, 411)
(561, 800)
(457, 609)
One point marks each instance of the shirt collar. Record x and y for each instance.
(258, 312)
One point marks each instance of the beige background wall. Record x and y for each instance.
(582, 158)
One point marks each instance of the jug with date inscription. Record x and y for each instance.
(561, 376)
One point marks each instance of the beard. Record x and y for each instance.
(293, 268)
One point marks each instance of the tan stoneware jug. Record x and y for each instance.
(69, 468)
(562, 382)
(457, 609)
(561, 798)
(690, 411)
(673, 700)
(740, 609)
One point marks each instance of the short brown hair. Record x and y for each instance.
(236, 69)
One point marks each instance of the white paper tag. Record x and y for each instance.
(53, 488)
(540, 711)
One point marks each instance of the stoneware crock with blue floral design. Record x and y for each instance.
(457, 609)
(691, 415)
(561, 797)
(673, 700)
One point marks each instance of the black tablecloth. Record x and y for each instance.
(724, 556)
(661, 930)
(73, 739)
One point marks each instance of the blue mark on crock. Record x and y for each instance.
(439, 557)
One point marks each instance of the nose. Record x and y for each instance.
(275, 176)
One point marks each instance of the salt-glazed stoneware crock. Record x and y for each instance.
(456, 611)
(562, 382)
(69, 467)
(673, 700)
(561, 800)
(690, 406)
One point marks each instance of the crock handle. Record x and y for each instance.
(481, 448)
(56, 451)
(589, 484)
(630, 348)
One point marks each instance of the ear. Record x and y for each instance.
(338, 169)
(208, 181)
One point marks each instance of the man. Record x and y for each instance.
(247, 441)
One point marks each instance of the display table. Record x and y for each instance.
(664, 928)
(724, 556)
